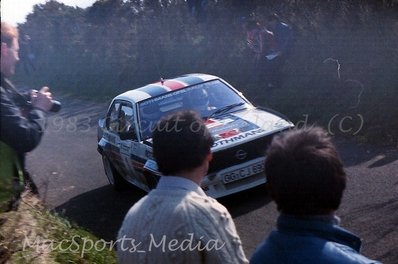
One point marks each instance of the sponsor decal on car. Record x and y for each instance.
(265, 120)
(238, 138)
(228, 127)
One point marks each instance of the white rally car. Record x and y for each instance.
(241, 132)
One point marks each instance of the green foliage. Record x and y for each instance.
(118, 45)
(11, 179)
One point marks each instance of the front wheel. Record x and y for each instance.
(114, 178)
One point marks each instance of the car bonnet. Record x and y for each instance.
(239, 127)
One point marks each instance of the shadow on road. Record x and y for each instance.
(244, 202)
(102, 210)
(354, 154)
(377, 222)
(386, 158)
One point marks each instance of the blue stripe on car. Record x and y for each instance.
(153, 90)
(190, 80)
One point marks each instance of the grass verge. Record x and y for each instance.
(32, 234)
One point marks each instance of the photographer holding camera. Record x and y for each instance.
(22, 115)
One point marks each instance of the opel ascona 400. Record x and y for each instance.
(241, 132)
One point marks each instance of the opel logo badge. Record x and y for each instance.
(241, 154)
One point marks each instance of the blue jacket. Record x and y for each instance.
(283, 34)
(315, 240)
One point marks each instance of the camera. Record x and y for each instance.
(24, 101)
(55, 107)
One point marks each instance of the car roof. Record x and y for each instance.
(165, 86)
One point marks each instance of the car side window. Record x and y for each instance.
(126, 120)
(113, 117)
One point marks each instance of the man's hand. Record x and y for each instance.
(42, 99)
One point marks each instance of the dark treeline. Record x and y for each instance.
(116, 45)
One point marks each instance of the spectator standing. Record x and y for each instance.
(22, 120)
(283, 34)
(262, 43)
(306, 180)
(177, 222)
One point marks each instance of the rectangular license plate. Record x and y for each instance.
(242, 173)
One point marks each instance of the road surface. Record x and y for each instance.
(69, 173)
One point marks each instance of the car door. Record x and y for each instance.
(111, 135)
(127, 124)
(119, 121)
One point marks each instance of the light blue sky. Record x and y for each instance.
(15, 11)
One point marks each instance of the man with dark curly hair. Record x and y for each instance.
(306, 179)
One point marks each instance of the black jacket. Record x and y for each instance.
(21, 126)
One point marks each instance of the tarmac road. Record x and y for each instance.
(68, 171)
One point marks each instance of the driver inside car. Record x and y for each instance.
(125, 122)
(200, 102)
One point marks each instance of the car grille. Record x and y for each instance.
(239, 154)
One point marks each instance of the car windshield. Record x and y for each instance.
(208, 99)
